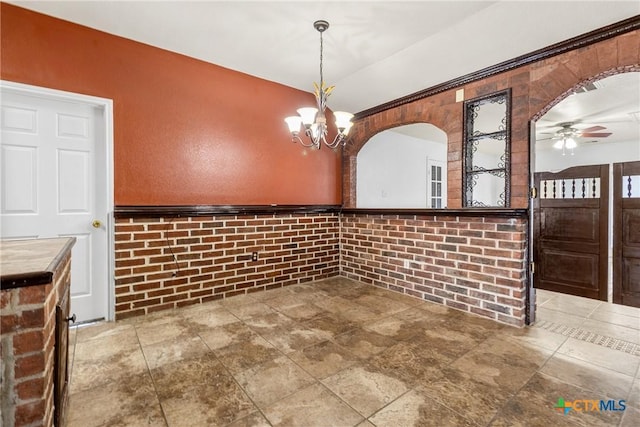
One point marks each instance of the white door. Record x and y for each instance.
(53, 184)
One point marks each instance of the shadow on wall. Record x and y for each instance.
(403, 167)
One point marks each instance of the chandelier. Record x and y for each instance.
(313, 120)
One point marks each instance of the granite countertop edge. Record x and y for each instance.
(34, 278)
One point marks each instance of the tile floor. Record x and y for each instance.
(340, 353)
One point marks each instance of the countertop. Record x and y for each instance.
(31, 262)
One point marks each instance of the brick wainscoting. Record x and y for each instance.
(168, 262)
(474, 264)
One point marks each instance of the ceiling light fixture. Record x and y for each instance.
(313, 120)
(566, 143)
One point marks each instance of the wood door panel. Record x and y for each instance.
(630, 227)
(570, 231)
(572, 268)
(626, 234)
(568, 224)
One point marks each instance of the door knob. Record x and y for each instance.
(96, 223)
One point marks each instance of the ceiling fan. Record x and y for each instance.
(566, 136)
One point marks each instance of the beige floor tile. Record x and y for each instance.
(295, 337)
(396, 328)
(247, 311)
(324, 359)
(89, 373)
(129, 400)
(535, 336)
(313, 406)
(365, 389)
(559, 317)
(347, 309)
(634, 395)
(107, 346)
(247, 354)
(619, 309)
(199, 392)
(364, 343)
(600, 381)
(330, 323)
(381, 305)
(616, 319)
(273, 380)
(155, 332)
(101, 330)
(302, 311)
(226, 335)
(269, 322)
(474, 400)
(255, 419)
(412, 364)
(174, 350)
(614, 360)
(502, 364)
(542, 296)
(630, 417)
(534, 405)
(569, 304)
(417, 409)
(211, 318)
(611, 330)
(378, 354)
(284, 301)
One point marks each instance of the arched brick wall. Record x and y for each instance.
(535, 88)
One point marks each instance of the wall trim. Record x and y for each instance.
(467, 212)
(577, 42)
(218, 210)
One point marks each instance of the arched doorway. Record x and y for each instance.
(403, 167)
(579, 144)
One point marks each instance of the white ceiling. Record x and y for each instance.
(375, 51)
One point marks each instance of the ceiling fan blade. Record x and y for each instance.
(593, 129)
(544, 139)
(595, 134)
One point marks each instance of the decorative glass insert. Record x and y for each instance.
(487, 150)
(631, 186)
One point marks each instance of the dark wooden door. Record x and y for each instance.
(626, 233)
(570, 231)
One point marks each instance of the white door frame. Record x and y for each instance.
(106, 105)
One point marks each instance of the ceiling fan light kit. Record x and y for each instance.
(566, 137)
(311, 120)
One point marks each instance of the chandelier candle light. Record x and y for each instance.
(312, 119)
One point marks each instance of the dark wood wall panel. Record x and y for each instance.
(626, 235)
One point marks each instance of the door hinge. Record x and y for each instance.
(532, 267)
(534, 192)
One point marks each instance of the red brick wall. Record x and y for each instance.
(472, 264)
(28, 339)
(214, 257)
(535, 88)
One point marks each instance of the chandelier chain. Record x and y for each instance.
(321, 50)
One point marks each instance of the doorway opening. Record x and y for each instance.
(582, 240)
(403, 167)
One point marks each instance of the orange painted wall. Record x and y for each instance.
(185, 132)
